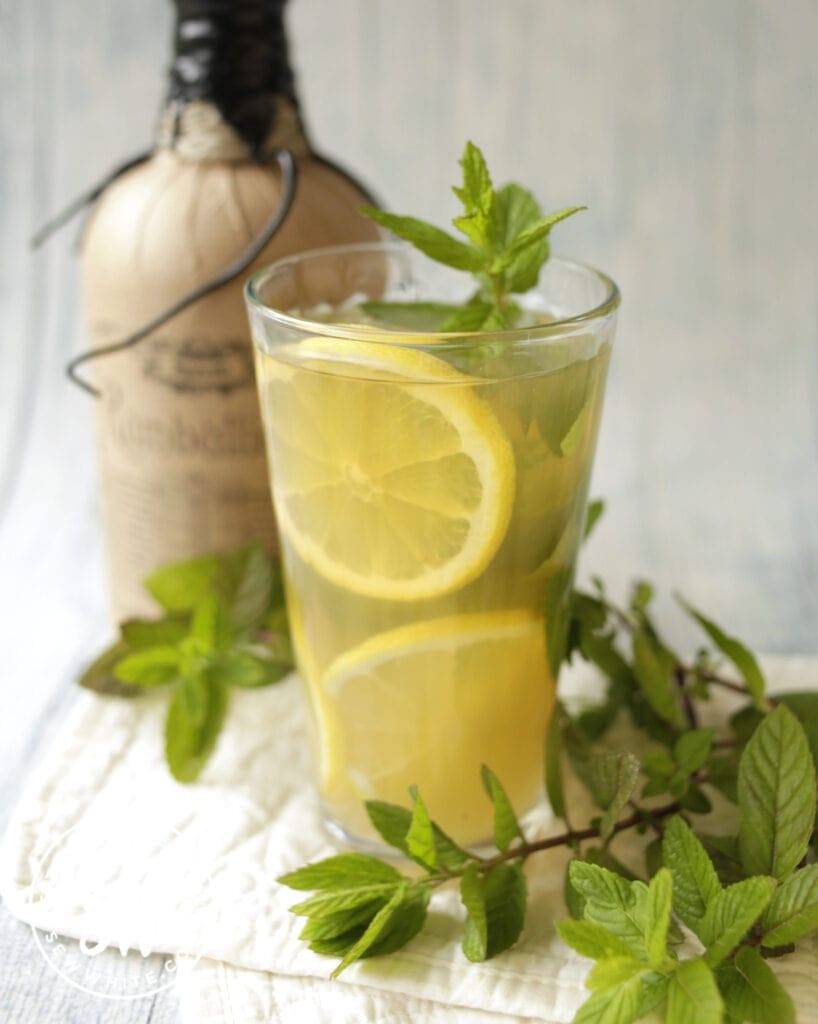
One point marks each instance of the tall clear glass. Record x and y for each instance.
(430, 493)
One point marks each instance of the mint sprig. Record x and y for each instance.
(224, 626)
(506, 244)
(624, 924)
(746, 896)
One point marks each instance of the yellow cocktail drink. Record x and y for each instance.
(429, 498)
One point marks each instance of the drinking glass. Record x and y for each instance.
(430, 493)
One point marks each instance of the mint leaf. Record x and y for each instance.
(581, 758)
(619, 1005)
(592, 940)
(693, 995)
(531, 237)
(618, 774)
(793, 910)
(722, 774)
(392, 823)
(574, 900)
(178, 587)
(523, 270)
(432, 241)
(341, 872)
(154, 632)
(730, 914)
(654, 992)
(338, 945)
(692, 749)
(405, 922)
(660, 767)
(194, 719)
(476, 191)
(248, 671)
(723, 852)
(246, 580)
(514, 210)
(612, 902)
(250, 582)
(151, 666)
(99, 676)
(805, 708)
(776, 796)
(752, 992)
(657, 916)
(475, 226)
(397, 921)
(624, 1003)
(375, 929)
(741, 657)
(695, 882)
(473, 897)
(477, 196)
(342, 922)
(329, 902)
(593, 513)
(614, 971)
(472, 317)
(653, 665)
(554, 785)
(420, 839)
(506, 826)
(575, 433)
(210, 625)
(641, 596)
(413, 316)
(506, 893)
(451, 857)
(695, 800)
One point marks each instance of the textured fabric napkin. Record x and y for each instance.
(105, 845)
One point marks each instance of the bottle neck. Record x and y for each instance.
(232, 93)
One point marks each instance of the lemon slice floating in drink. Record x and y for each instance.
(391, 477)
(428, 703)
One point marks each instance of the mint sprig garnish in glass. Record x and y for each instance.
(430, 436)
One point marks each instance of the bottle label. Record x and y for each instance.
(182, 459)
(197, 364)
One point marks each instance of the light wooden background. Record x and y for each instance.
(690, 128)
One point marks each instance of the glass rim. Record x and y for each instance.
(372, 332)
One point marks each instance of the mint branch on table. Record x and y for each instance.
(743, 897)
(504, 246)
(224, 626)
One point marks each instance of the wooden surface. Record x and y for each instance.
(688, 127)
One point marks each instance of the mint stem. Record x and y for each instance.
(682, 671)
(680, 676)
(571, 837)
(640, 815)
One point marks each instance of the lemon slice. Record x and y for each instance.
(428, 703)
(391, 476)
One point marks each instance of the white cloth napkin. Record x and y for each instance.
(105, 845)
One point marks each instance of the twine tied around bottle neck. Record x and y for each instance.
(196, 131)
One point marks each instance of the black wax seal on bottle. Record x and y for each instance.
(233, 54)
